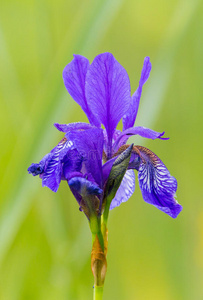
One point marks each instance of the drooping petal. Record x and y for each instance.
(107, 91)
(74, 75)
(131, 114)
(142, 131)
(89, 144)
(125, 190)
(158, 187)
(72, 126)
(53, 171)
(39, 168)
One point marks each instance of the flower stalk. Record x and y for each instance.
(95, 227)
(98, 266)
(99, 231)
(98, 292)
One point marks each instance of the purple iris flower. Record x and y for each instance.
(86, 154)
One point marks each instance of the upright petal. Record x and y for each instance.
(125, 190)
(157, 185)
(74, 75)
(89, 144)
(107, 91)
(131, 114)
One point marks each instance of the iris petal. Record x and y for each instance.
(157, 185)
(84, 187)
(107, 91)
(131, 114)
(87, 194)
(125, 190)
(72, 126)
(72, 164)
(37, 169)
(138, 130)
(74, 75)
(89, 144)
(53, 171)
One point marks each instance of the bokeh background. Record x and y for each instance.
(45, 241)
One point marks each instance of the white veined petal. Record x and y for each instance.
(125, 190)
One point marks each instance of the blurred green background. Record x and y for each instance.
(45, 242)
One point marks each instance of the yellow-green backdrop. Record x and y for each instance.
(45, 241)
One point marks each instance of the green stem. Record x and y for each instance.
(98, 256)
(95, 227)
(106, 215)
(98, 292)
